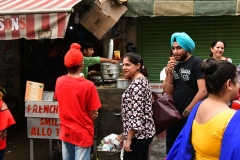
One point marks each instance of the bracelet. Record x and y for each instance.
(186, 112)
(171, 85)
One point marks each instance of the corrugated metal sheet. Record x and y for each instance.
(154, 38)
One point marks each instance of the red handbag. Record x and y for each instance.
(165, 114)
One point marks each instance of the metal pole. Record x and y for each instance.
(50, 146)
(31, 150)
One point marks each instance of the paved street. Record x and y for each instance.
(18, 146)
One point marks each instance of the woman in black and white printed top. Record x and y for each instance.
(138, 124)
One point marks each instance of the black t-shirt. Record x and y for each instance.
(190, 73)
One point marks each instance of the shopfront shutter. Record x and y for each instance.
(154, 38)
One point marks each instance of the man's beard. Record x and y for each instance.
(183, 57)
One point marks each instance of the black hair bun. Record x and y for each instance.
(209, 66)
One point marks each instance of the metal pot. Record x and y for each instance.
(96, 80)
(104, 66)
(110, 76)
(110, 71)
(122, 83)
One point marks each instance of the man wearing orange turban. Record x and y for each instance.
(78, 102)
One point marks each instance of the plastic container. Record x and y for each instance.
(110, 51)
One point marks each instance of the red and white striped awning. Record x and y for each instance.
(32, 19)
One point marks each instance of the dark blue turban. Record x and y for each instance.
(183, 40)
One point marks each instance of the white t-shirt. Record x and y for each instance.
(163, 74)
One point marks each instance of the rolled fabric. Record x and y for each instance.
(183, 40)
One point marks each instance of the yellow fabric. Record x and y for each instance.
(207, 137)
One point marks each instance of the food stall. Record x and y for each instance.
(35, 29)
(22, 21)
(43, 120)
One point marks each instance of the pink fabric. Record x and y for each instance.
(6, 120)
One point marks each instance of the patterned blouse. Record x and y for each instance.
(137, 109)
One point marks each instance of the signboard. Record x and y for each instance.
(42, 119)
(34, 91)
(48, 109)
(157, 87)
(46, 128)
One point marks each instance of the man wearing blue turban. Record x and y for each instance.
(184, 41)
(184, 81)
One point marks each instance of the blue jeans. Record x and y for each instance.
(73, 152)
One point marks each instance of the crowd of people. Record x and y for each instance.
(79, 106)
(202, 90)
(205, 92)
(209, 113)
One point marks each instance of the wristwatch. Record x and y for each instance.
(186, 112)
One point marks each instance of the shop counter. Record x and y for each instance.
(109, 118)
